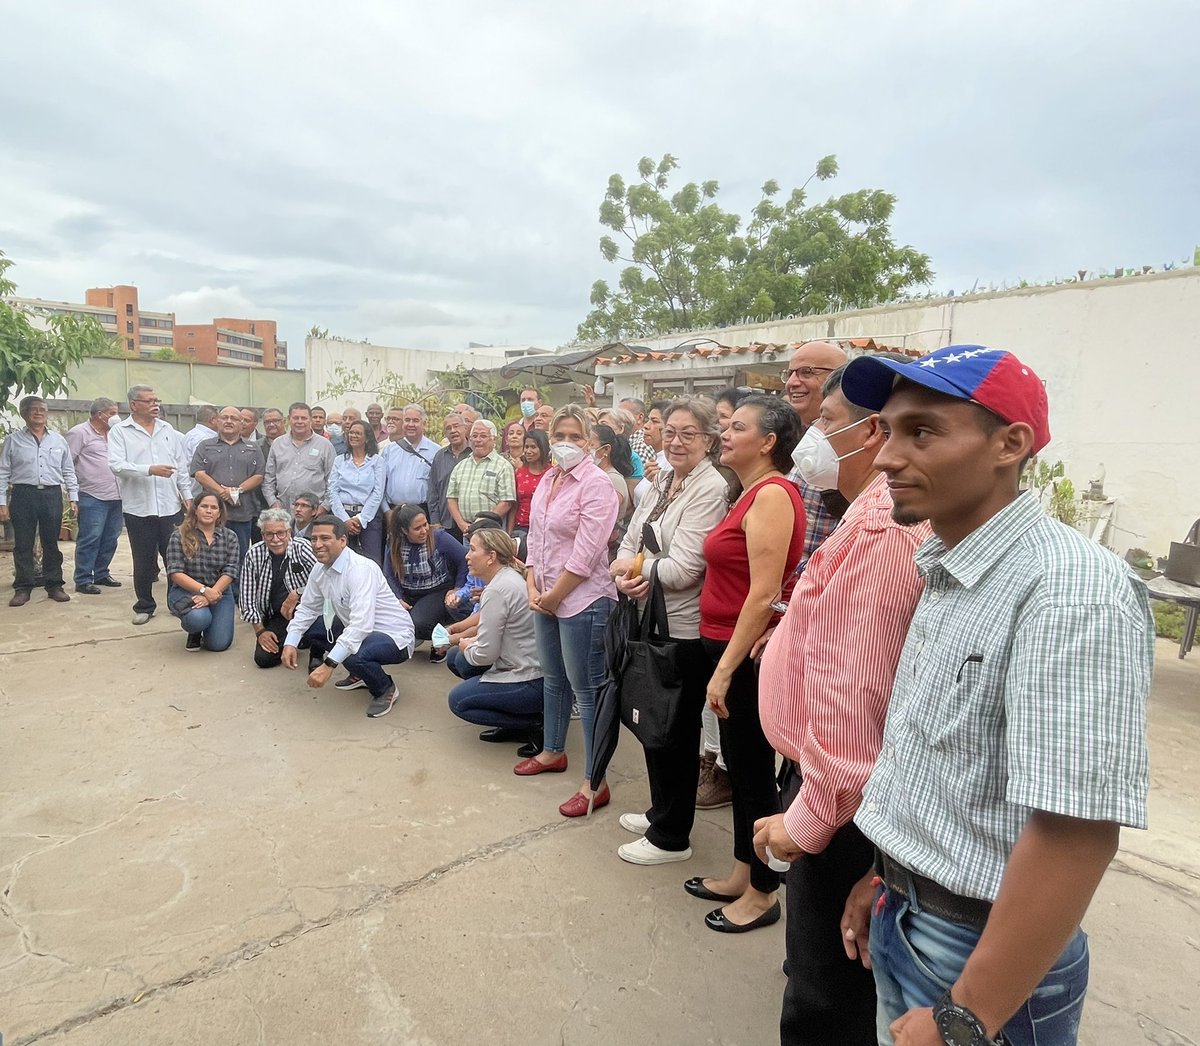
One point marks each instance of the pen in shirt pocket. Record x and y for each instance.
(974, 659)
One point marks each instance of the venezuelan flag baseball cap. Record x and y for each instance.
(993, 378)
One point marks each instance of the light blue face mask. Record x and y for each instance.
(528, 408)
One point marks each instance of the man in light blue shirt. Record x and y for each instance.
(408, 458)
(38, 464)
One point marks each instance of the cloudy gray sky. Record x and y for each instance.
(426, 175)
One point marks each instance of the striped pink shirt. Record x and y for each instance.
(827, 672)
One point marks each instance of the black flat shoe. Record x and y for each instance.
(108, 582)
(715, 920)
(500, 734)
(531, 747)
(696, 888)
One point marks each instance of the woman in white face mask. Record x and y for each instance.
(571, 517)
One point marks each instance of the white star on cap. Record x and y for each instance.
(927, 363)
(954, 357)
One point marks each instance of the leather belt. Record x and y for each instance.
(352, 509)
(926, 895)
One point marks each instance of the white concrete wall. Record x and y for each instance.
(1121, 362)
(373, 362)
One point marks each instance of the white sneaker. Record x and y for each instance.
(636, 823)
(140, 617)
(645, 852)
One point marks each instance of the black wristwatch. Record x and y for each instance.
(958, 1026)
(329, 662)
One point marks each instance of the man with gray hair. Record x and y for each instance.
(147, 456)
(37, 462)
(408, 458)
(637, 441)
(454, 428)
(484, 482)
(274, 574)
(99, 499)
(204, 430)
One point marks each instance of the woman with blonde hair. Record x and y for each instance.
(501, 686)
(570, 591)
(202, 563)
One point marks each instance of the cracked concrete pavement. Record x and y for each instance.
(193, 850)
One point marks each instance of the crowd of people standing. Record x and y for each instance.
(923, 700)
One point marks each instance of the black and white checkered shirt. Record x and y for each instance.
(255, 594)
(210, 561)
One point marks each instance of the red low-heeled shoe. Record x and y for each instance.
(531, 766)
(577, 805)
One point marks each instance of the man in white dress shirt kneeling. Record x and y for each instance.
(365, 625)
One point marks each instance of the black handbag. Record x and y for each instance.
(652, 680)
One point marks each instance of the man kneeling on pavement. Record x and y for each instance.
(274, 574)
(365, 627)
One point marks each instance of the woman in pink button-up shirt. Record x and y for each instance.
(572, 516)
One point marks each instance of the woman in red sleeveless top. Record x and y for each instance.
(751, 557)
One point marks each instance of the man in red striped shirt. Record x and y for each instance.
(825, 682)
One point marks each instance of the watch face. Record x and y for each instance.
(956, 1029)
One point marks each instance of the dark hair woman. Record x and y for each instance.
(751, 555)
(356, 490)
(536, 460)
(202, 563)
(614, 456)
(422, 566)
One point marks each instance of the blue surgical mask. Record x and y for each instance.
(528, 408)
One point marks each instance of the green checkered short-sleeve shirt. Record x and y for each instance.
(479, 485)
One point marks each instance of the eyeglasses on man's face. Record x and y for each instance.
(685, 436)
(806, 373)
(150, 403)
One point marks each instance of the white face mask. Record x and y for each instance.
(566, 455)
(113, 420)
(816, 459)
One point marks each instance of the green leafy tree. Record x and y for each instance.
(34, 359)
(167, 355)
(389, 389)
(687, 266)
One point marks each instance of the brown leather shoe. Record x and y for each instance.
(58, 595)
(19, 599)
(715, 791)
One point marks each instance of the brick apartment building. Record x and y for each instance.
(235, 342)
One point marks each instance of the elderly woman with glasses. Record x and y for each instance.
(687, 501)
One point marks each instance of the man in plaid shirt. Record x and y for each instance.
(274, 574)
(1015, 742)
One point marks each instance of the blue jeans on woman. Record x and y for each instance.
(916, 957)
(214, 622)
(512, 706)
(571, 650)
(99, 531)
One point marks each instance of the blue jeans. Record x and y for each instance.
(215, 622)
(99, 531)
(514, 706)
(917, 957)
(377, 650)
(571, 650)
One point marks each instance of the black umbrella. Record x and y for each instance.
(622, 624)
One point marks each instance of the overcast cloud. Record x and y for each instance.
(428, 175)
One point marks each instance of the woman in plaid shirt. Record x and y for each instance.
(202, 562)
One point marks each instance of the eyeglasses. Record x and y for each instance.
(685, 436)
(806, 372)
(151, 402)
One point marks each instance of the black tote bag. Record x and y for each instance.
(652, 683)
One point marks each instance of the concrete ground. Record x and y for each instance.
(193, 850)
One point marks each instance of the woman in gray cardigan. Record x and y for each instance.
(688, 499)
(501, 684)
